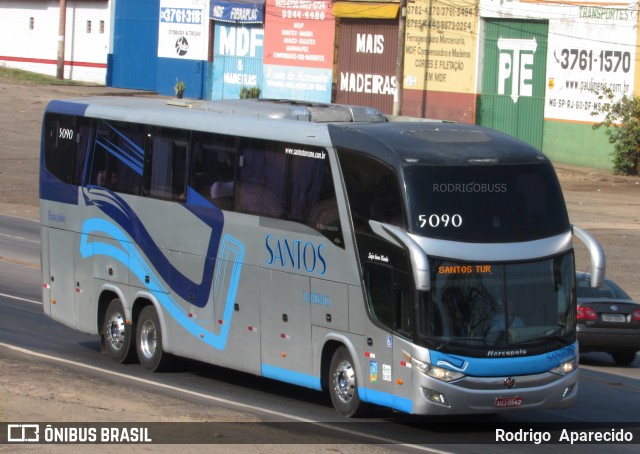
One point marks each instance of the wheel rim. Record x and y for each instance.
(116, 331)
(344, 381)
(148, 339)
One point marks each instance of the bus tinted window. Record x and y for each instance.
(261, 180)
(213, 159)
(85, 135)
(311, 198)
(59, 145)
(373, 190)
(118, 155)
(165, 173)
(488, 204)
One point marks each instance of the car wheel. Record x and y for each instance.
(624, 358)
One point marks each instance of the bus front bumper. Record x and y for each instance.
(470, 395)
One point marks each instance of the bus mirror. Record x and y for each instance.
(598, 259)
(419, 259)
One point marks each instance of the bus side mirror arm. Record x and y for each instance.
(598, 259)
(419, 259)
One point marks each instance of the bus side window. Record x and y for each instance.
(213, 159)
(378, 280)
(373, 190)
(311, 196)
(165, 172)
(117, 157)
(59, 146)
(261, 178)
(84, 137)
(390, 300)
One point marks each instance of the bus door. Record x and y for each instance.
(389, 294)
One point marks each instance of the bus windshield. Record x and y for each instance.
(494, 305)
(486, 203)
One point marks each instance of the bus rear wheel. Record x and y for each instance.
(149, 342)
(343, 384)
(118, 334)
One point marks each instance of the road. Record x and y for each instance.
(609, 395)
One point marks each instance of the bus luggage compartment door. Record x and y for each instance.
(61, 276)
(285, 327)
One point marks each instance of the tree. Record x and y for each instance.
(622, 120)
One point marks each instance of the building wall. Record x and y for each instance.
(36, 49)
(440, 61)
(590, 46)
(134, 57)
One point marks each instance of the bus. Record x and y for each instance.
(423, 266)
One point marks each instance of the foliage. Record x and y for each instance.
(19, 75)
(622, 120)
(250, 92)
(179, 88)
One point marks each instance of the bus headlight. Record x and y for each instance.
(566, 367)
(436, 372)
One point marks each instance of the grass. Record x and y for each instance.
(18, 75)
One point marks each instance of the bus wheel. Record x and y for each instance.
(343, 384)
(149, 342)
(118, 335)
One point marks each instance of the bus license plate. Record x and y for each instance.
(504, 402)
(618, 318)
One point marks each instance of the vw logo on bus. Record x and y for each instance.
(509, 382)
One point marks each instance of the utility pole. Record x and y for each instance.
(61, 34)
(402, 22)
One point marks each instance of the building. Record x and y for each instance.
(531, 68)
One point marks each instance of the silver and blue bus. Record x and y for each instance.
(423, 266)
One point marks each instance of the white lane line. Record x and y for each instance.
(4, 295)
(21, 238)
(374, 438)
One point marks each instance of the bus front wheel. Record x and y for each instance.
(343, 384)
(118, 334)
(149, 342)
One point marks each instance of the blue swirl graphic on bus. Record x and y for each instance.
(228, 268)
(116, 208)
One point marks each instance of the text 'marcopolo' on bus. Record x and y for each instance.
(419, 265)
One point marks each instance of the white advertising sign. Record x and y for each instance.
(591, 51)
(182, 31)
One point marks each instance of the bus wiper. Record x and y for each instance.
(467, 341)
(543, 338)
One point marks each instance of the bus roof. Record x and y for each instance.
(434, 143)
(364, 129)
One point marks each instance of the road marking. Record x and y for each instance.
(373, 438)
(25, 263)
(20, 299)
(21, 238)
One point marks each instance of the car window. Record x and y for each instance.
(608, 290)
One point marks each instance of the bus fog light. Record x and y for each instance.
(436, 372)
(565, 368)
(435, 396)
